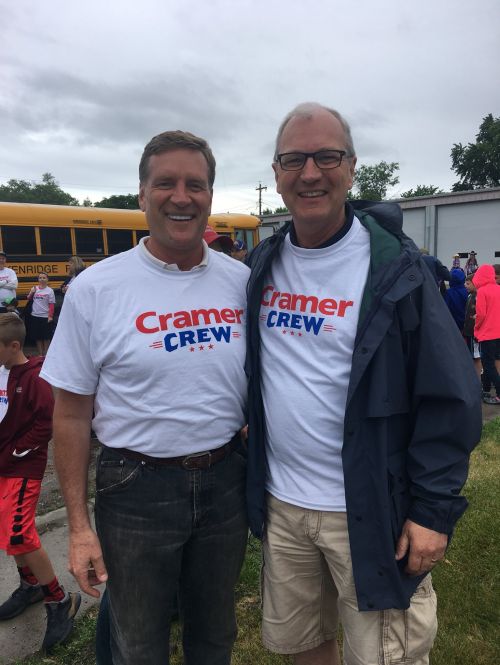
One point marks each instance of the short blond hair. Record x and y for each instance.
(12, 329)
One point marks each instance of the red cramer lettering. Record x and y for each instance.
(299, 302)
(152, 322)
(140, 323)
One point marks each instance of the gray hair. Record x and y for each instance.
(306, 110)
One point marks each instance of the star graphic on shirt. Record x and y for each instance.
(201, 347)
(192, 349)
(292, 333)
(284, 332)
(210, 346)
(299, 334)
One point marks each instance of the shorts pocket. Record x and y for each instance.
(408, 635)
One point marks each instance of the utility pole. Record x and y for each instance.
(260, 189)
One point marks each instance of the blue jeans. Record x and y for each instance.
(164, 529)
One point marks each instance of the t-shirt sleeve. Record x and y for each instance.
(52, 297)
(69, 364)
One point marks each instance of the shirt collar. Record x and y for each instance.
(173, 267)
(349, 217)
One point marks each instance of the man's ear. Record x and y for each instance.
(211, 199)
(352, 169)
(276, 176)
(142, 202)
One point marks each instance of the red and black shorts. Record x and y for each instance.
(18, 499)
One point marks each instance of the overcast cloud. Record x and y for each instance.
(84, 87)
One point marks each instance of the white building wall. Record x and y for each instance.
(464, 227)
(414, 225)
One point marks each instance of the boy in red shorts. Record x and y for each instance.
(26, 405)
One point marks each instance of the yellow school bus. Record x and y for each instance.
(41, 238)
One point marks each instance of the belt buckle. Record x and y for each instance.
(195, 457)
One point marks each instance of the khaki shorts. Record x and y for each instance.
(307, 585)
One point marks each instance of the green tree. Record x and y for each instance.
(421, 190)
(372, 182)
(276, 211)
(87, 203)
(478, 164)
(127, 201)
(47, 191)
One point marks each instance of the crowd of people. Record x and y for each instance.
(473, 298)
(331, 410)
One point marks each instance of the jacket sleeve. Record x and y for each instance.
(446, 417)
(42, 406)
(11, 283)
(442, 271)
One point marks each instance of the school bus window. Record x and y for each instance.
(19, 239)
(89, 241)
(55, 241)
(246, 235)
(141, 233)
(119, 240)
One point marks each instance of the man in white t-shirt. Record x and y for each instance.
(8, 282)
(363, 410)
(151, 342)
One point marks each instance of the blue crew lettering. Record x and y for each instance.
(312, 323)
(296, 321)
(283, 320)
(203, 335)
(221, 333)
(173, 341)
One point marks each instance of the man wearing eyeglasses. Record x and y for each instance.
(363, 410)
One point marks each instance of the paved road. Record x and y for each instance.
(22, 636)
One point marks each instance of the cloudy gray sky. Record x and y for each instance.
(83, 86)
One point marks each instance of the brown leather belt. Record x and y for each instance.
(202, 460)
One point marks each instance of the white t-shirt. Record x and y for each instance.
(8, 283)
(163, 351)
(41, 300)
(308, 321)
(4, 400)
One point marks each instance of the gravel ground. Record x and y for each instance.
(50, 496)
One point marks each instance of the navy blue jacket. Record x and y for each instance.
(413, 411)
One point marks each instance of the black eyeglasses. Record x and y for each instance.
(324, 159)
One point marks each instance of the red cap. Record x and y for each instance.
(210, 236)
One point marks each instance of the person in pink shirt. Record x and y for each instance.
(42, 313)
(487, 326)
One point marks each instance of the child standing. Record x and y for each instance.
(456, 296)
(487, 325)
(469, 323)
(26, 405)
(42, 313)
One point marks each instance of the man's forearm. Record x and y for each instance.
(72, 424)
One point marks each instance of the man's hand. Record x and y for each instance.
(85, 561)
(424, 546)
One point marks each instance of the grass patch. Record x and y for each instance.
(468, 582)
(79, 650)
(467, 585)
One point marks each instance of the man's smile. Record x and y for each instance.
(313, 194)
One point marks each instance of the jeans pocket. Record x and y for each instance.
(115, 474)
